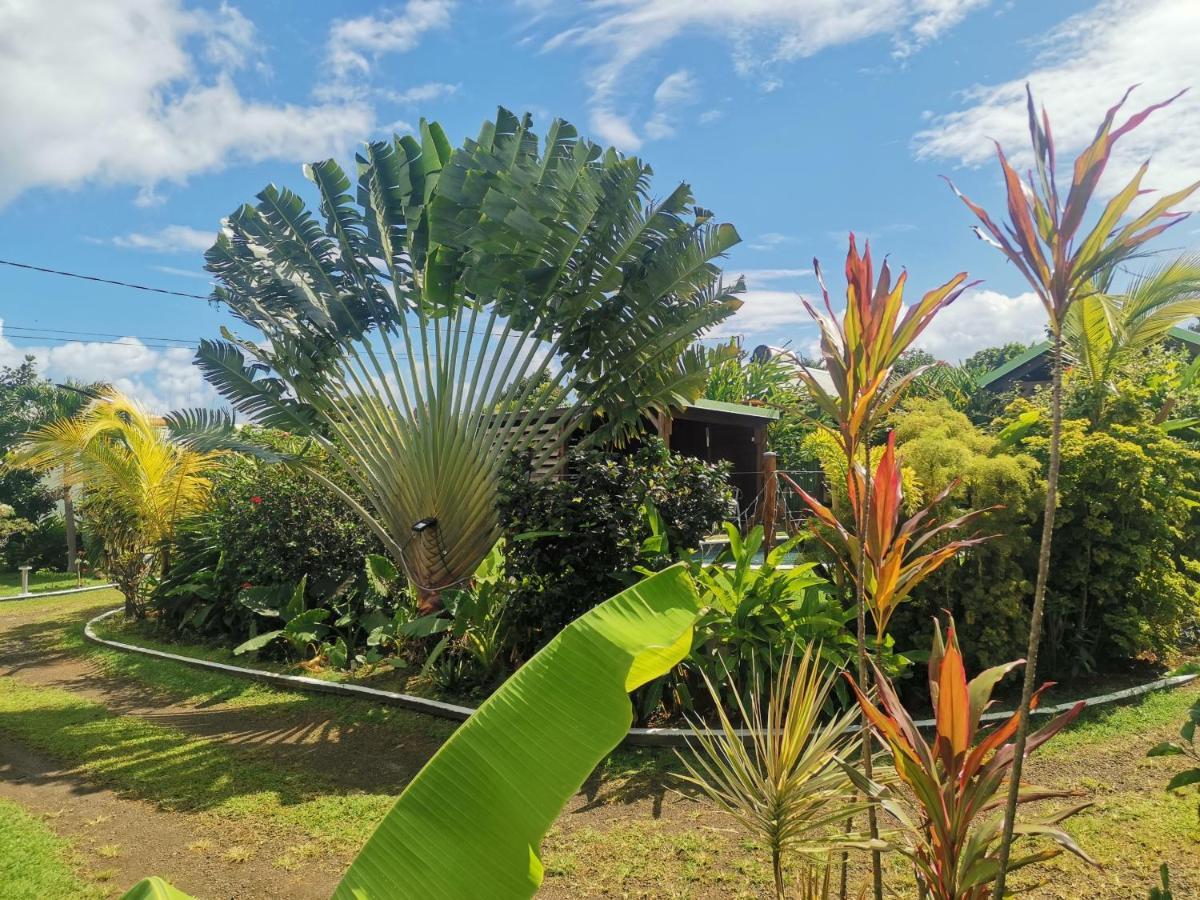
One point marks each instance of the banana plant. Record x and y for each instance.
(1044, 239)
(476, 814)
(954, 784)
(462, 305)
(303, 628)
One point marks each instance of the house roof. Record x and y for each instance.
(739, 409)
(1191, 338)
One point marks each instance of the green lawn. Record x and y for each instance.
(10, 582)
(34, 862)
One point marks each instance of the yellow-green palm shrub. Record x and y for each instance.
(139, 484)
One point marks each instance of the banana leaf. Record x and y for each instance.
(476, 814)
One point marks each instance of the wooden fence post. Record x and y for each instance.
(770, 500)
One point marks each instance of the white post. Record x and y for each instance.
(24, 579)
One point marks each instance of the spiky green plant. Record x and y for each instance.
(782, 778)
(425, 329)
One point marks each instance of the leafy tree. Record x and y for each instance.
(913, 359)
(990, 358)
(1043, 239)
(19, 488)
(396, 324)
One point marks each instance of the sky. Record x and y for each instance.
(131, 128)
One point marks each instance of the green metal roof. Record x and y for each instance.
(1015, 363)
(1179, 334)
(740, 409)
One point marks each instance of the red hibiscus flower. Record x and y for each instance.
(256, 500)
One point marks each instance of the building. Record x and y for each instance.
(1031, 369)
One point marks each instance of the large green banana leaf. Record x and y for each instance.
(471, 823)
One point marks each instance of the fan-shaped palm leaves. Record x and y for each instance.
(1104, 329)
(139, 481)
(499, 276)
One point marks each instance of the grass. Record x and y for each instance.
(183, 773)
(10, 582)
(34, 862)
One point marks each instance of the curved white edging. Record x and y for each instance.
(647, 737)
(62, 593)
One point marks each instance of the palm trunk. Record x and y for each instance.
(1035, 620)
(72, 537)
(863, 683)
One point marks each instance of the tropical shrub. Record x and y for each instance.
(954, 783)
(266, 525)
(572, 540)
(786, 784)
(39, 544)
(139, 484)
(988, 589)
(752, 613)
(1123, 580)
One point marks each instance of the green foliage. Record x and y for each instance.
(988, 588)
(1123, 579)
(990, 358)
(507, 273)
(573, 539)
(20, 489)
(752, 614)
(785, 785)
(266, 526)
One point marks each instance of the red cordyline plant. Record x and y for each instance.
(894, 565)
(955, 782)
(1044, 239)
(859, 350)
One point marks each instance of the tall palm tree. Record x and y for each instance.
(1106, 328)
(1044, 239)
(138, 480)
(433, 323)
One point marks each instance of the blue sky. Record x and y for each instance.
(132, 128)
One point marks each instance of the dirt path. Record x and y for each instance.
(119, 841)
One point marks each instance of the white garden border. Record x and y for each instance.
(645, 737)
(62, 593)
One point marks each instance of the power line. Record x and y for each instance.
(97, 278)
(141, 337)
(62, 341)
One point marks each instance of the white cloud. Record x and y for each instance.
(677, 90)
(614, 129)
(115, 93)
(183, 273)
(756, 277)
(421, 93)
(981, 318)
(762, 33)
(1085, 67)
(766, 311)
(770, 240)
(709, 116)
(161, 380)
(355, 43)
(170, 239)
